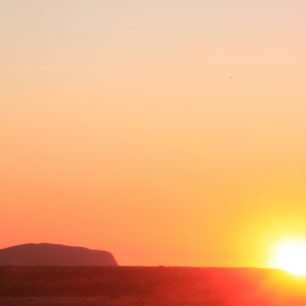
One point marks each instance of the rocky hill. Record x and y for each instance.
(45, 254)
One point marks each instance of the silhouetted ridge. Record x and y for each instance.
(45, 254)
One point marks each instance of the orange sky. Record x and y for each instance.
(168, 132)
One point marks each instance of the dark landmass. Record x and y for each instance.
(45, 254)
(143, 286)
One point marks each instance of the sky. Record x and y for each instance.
(168, 132)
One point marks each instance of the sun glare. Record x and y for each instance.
(290, 255)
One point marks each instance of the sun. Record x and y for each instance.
(290, 255)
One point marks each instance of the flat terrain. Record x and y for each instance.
(141, 286)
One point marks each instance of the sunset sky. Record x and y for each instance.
(167, 132)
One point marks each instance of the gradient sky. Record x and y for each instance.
(168, 132)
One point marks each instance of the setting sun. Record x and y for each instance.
(290, 255)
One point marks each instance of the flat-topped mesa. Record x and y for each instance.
(46, 254)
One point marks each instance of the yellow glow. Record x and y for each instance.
(290, 255)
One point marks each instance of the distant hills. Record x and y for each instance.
(46, 254)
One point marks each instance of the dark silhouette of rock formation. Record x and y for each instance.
(45, 254)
